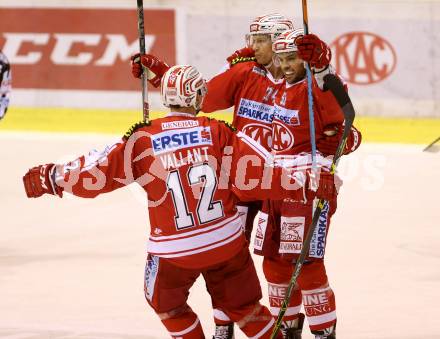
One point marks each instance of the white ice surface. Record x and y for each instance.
(72, 268)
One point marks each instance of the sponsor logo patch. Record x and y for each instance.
(317, 245)
(174, 140)
(151, 269)
(255, 110)
(179, 124)
(260, 133)
(287, 116)
(261, 231)
(317, 303)
(292, 234)
(259, 71)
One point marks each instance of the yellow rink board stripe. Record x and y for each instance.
(374, 129)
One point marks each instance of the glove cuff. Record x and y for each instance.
(55, 189)
(320, 73)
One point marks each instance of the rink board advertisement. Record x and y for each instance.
(389, 63)
(81, 48)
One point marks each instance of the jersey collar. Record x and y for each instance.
(180, 114)
(295, 83)
(271, 78)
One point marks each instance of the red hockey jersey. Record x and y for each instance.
(188, 166)
(251, 89)
(291, 123)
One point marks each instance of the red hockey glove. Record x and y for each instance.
(324, 186)
(328, 186)
(241, 55)
(40, 180)
(313, 50)
(328, 143)
(156, 67)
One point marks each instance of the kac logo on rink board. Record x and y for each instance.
(363, 58)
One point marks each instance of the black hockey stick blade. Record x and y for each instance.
(432, 147)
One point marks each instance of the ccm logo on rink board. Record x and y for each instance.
(363, 58)
(88, 49)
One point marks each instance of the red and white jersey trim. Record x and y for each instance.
(257, 147)
(302, 161)
(198, 241)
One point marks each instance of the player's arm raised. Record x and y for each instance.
(87, 176)
(317, 53)
(156, 68)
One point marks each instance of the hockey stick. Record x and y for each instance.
(427, 148)
(145, 104)
(310, 99)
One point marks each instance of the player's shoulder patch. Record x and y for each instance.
(135, 127)
(260, 71)
(240, 60)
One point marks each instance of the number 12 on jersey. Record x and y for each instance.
(207, 210)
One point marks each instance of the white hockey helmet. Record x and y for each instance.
(285, 43)
(273, 24)
(180, 86)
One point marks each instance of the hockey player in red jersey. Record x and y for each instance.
(188, 166)
(249, 87)
(284, 224)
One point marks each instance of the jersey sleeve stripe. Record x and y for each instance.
(254, 145)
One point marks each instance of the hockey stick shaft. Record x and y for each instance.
(310, 94)
(141, 31)
(334, 84)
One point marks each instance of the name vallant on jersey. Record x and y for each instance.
(179, 143)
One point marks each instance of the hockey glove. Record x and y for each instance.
(40, 180)
(241, 55)
(328, 143)
(156, 68)
(328, 186)
(313, 50)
